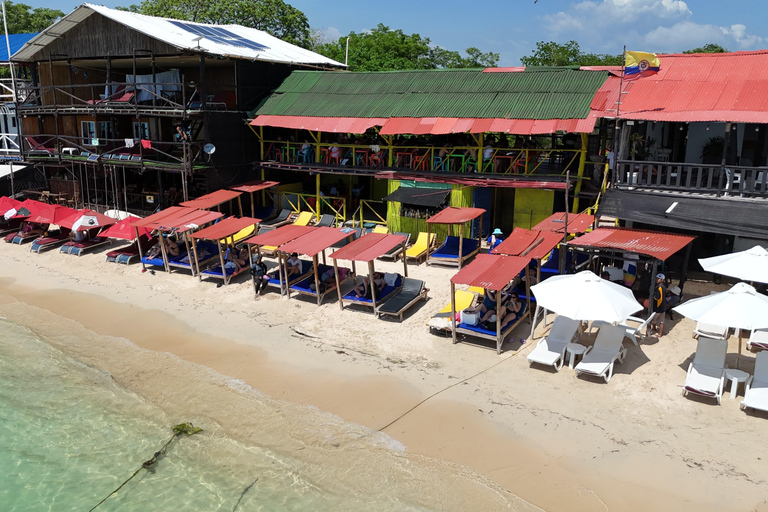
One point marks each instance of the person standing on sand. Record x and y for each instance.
(658, 306)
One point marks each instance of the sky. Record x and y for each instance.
(511, 28)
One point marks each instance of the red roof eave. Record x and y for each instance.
(649, 243)
(368, 247)
(577, 222)
(225, 228)
(491, 271)
(454, 215)
(211, 200)
(280, 236)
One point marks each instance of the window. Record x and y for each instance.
(140, 130)
(88, 132)
(105, 130)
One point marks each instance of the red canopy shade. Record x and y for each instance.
(124, 230)
(154, 220)
(254, 186)
(100, 220)
(577, 222)
(453, 215)
(51, 214)
(280, 236)
(490, 271)
(368, 247)
(225, 228)
(650, 243)
(8, 203)
(211, 200)
(320, 124)
(178, 218)
(315, 241)
(193, 220)
(537, 243)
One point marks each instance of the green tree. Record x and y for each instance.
(272, 16)
(708, 48)
(23, 19)
(568, 54)
(384, 49)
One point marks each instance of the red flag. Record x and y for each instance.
(146, 144)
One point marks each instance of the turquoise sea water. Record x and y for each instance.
(69, 435)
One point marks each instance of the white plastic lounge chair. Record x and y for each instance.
(717, 332)
(706, 374)
(756, 391)
(758, 340)
(599, 359)
(550, 350)
(633, 333)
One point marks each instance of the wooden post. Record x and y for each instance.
(371, 284)
(317, 194)
(283, 281)
(453, 312)
(461, 246)
(186, 244)
(653, 285)
(138, 246)
(426, 260)
(163, 251)
(197, 262)
(684, 274)
(405, 264)
(499, 340)
(240, 205)
(338, 283)
(317, 278)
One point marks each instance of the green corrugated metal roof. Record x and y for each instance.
(465, 93)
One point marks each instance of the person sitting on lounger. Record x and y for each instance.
(30, 229)
(293, 263)
(510, 307)
(364, 288)
(173, 248)
(78, 236)
(487, 307)
(326, 279)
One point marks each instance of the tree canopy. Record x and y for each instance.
(23, 19)
(568, 54)
(384, 49)
(708, 48)
(272, 16)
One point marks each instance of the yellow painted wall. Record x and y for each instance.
(532, 206)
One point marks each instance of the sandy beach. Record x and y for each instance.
(556, 441)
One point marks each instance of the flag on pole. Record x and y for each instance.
(639, 64)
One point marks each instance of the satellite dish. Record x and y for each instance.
(209, 149)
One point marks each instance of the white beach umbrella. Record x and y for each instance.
(749, 265)
(585, 296)
(741, 307)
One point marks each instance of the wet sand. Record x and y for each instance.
(557, 441)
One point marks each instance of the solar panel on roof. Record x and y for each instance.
(219, 35)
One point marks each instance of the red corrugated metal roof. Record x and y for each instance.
(730, 87)
(368, 247)
(315, 241)
(167, 214)
(226, 228)
(453, 215)
(178, 218)
(577, 222)
(477, 180)
(255, 186)
(649, 243)
(537, 243)
(518, 69)
(211, 200)
(321, 124)
(491, 271)
(606, 98)
(280, 236)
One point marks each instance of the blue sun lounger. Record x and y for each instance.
(385, 294)
(448, 253)
(481, 332)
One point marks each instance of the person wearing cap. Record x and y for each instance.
(659, 305)
(495, 239)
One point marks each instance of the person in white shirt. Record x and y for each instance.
(293, 263)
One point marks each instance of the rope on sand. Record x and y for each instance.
(446, 389)
(182, 428)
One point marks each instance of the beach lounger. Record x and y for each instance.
(306, 286)
(326, 220)
(706, 373)
(396, 252)
(48, 242)
(600, 358)
(276, 282)
(303, 219)
(380, 229)
(510, 322)
(207, 254)
(717, 332)
(756, 390)
(20, 238)
(448, 253)
(758, 339)
(387, 292)
(129, 253)
(413, 290)
(78, 248)
(421, 247)
(281, 220)
(550, 350)
(440, 323)
(635, 332)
